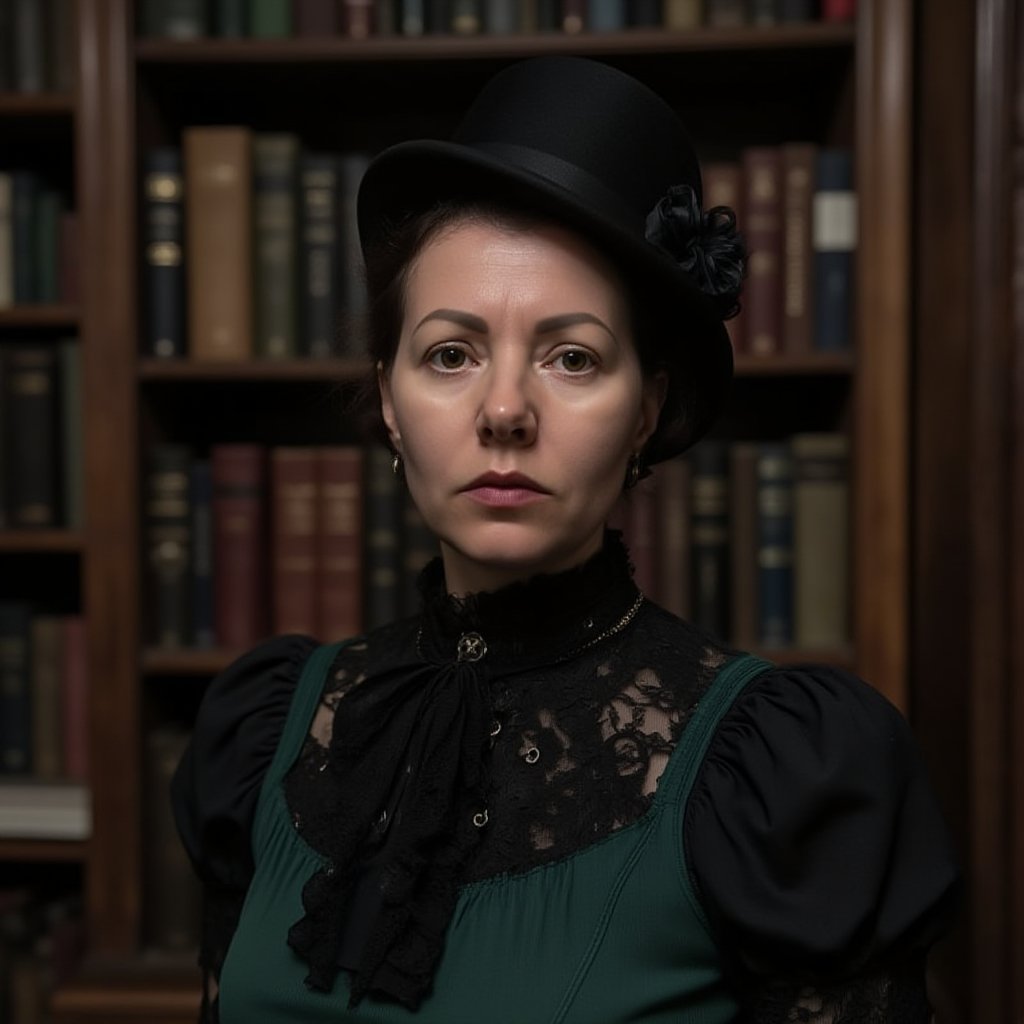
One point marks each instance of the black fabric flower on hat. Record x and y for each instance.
(706, 245)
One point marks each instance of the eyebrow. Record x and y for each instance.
(545, 326)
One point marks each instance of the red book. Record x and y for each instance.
(340, 542)
(838, 10)
(762, 213)
(723, 186)
(240, 544)
(294, 505)
(75, 700)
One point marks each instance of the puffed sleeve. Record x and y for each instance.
(215, 788)
(813, 838)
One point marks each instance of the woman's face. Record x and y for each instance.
(515, 399)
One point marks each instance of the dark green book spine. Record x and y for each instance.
(275, 197)
(23, 203)
(775, 544)
(32, 393)
(29, 45)
(230, 19)
(167, 544)
(270, 19)
(764, 12)
(203, 623)
(351, 168)
(72, 429)
(163, 248)
(174, 19)
(319, 253)
(709, 562)
(382, 526)
(46, 236)
(15, 689)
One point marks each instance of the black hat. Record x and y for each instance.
(588, 146)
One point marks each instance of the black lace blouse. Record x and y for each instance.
(811, 835)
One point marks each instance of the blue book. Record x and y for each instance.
(606, 15)
(835, 242)
(163, 245)
(775, 544)
(501, 16)
(201, 495)
(15, 689)
(318, 253)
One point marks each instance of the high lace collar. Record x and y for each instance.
(542, 620)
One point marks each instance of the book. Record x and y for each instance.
(203, 626)
(72, 432)
(723, 186)
(467, 17)
(796, 10)
(838, 10)
(799, 172)
(15, 689)
(351, 168)
(645, 13)
(548, 15)
(413, 20)
(231, 18)
(31, 404)
(46, 639)
(239, 544)
(357, 18)
(6, 240)
(23, 201)
(764, 12)
(775, 544)
(5, 510)
(574, 16)
(725, 13)
(294, 532)
(762, 226)
(275, 236)
(163, 250)
(835, 242)
(319, 253)
(167, 530)
(501, 16)
(821, 544)
(69, 258)
(41, 810)
(709, 550)
(340, 542)
(218, 248)
(673, 544)
(75, 700)
(606, 15)
(382, 538)
(315, 18)
(173, 19)
(28, 46)
(270, 19)
(743, 544)
(172, 920)
(683, 14)
(46, 214)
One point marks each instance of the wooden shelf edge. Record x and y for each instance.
(812, 364)
(347, 370)
(58, 315)
(637, 41)
(158, 662)
(837, 657)
(24, 104)
(42, 541)
(56, 850)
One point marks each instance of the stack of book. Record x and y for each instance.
(261, 238)
(749, 540)
(253, 542)
(43, 696)
(797, 210)
(38, 242)
(37, 46)
(281, 19)
(41, 484)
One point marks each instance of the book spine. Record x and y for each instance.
(438, 16)
(723, 186)
(319, 254)
(725, 13)
(775, 544)
(5, 458)
(6, 56)
(167, 544)
(413, 21)
(29, 46)
(682, 15)
(357, 19)
(31, 400)
(23, 201)
(6, 240)
(315, 18)
(574, 16)
(45, 234)
(838, 10)
(821, 540)
(549, 15)
(15, 696)
(174, 19)
(645, 13)
(294, 529)
(218, 186)
(764, 12)
(467, 17)
(799, 162)
(796, 10)
(835, 241)
(382, 538)
(163, 247)
(501, 16)
(275, 195)
(743, 544)
(72, 423)
(270, 19)
(709, 501)
(231, 19)
(762, 213)
(203, 632)
(69, 258)
(352, 166)
(240, 544)
(75, 700)
(45, 636)
(606, 15)
(673, 521)
(340, 541)
(386, 17)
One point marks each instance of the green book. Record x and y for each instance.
(275, 199)
(69, 358)
(46, 234)
(270, 19)
(230, 19)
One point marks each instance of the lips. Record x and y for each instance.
(506, 481)
(505, 490)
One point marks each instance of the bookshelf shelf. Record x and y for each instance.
(637, 42)
(41, 541)
(819, 363)
(40, 104)
(316, 370)
(844, 658)
(50, 850)
(40, 316)
(186, 662)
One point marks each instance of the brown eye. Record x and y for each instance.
(448, 357)
(575, 360)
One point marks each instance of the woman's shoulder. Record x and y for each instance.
(812, 831)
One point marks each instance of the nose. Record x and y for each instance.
(507, 413)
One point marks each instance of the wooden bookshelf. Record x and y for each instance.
(41, 541)
(40, 316)
(43, 850)
(35, 105)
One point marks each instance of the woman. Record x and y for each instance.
(545, 798)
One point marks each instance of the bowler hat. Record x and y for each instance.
(584, 144)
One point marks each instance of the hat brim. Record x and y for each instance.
(696, 349)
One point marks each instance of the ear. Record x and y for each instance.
(655, 389)
(387, 407)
